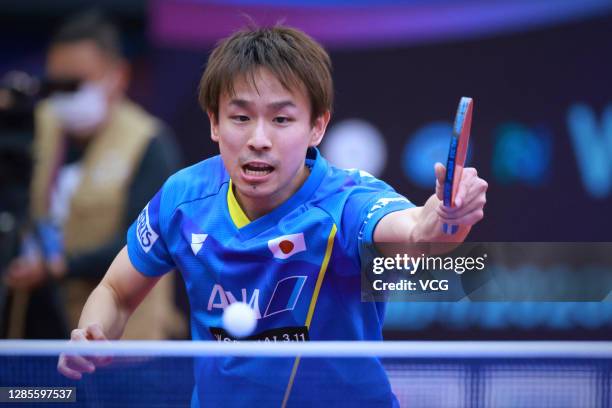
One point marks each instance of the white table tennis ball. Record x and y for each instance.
(239, 319)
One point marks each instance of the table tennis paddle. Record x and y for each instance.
(456, 155)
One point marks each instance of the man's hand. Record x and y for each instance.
(73, 366)
(423, 225)
(470, 199)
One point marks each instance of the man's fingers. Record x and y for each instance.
(66, 367)
(465, 216)
(470, 187)
(453, 217)
(102, 361)
(71, 365)
(475, 192)
(68, 372)
(80, 364)
(469, 211)
(467, 178)
(468, 219)
(473, 202)
(440, 172)
(78, 335)
(95, 332)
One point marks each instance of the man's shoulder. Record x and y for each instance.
(348, 182)
(349, 194)
(358, 176)
(197, 181)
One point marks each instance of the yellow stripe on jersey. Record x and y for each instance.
(238, 216)
(313, 304)
(315, 295)
(296, 363)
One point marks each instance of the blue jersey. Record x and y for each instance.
(298, 267)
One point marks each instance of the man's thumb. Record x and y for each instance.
(440, 172)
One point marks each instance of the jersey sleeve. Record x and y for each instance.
(146, 241)
(371, 201)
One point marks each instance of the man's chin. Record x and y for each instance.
(255, 190)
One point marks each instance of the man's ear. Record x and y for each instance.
(214, 126)
(318, 129)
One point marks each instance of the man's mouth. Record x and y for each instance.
(257, 169)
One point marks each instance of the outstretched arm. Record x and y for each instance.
(107, 311)
(423, 225)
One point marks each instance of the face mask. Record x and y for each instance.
(82, 110)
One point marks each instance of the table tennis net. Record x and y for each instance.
(443, 374)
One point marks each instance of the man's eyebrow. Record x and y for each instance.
(242, 103)
(281, 104)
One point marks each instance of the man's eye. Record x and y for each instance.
(281, 119)
(240, 118)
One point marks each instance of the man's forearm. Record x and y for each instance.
(116, 297)
(103, 307)
(416, 230)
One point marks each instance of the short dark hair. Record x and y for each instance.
(93, 26)
(291, 55)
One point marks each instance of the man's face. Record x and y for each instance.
(263, 133)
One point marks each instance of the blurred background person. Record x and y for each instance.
(17, 95)
(98, 157)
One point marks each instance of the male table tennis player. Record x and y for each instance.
(271, 223)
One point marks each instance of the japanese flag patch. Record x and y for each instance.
(287, 245)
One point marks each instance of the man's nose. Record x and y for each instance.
(259, 138)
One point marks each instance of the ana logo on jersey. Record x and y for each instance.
(284, 297)
(197, 240)
(287, 245)
(146, 235)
